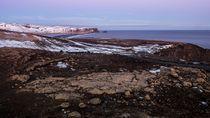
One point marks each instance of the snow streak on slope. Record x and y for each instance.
(72, 46)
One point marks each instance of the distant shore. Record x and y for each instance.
(197, 37)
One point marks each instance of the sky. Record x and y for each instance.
(110, 14)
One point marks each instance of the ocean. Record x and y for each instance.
(197, 37)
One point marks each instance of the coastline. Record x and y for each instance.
(197, 37)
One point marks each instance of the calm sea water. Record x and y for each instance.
(198, 37)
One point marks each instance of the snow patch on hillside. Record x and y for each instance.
(62, 65)
(18, 44)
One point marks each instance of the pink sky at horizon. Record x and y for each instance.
(99, 12)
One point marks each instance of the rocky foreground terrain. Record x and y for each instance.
(43, 77)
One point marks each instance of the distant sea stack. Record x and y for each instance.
(104, 31)
(39, 29)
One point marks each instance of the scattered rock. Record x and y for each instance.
(127, 93)
(104, 70)
(72, 69)
(65, 105)
(125, 115)
(178, 85)
(168, 71)
(96, 91)
(143, 115)
(149, 89)
(82, 105)
(74, 114)
(201, 75)
(182, 60)
(140, 98)
(196, 63)
(21, 78)
(203, 104)
(180, 78)
(147, 97)
(200, 80)
(109, 91)
(62, 97)
(197, 90)
(187, 84)
(46, 90)
(164, 70)
(95, 101)
(174, 73)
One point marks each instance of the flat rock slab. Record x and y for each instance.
(95, 83)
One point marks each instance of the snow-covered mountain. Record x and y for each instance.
(38, 29)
